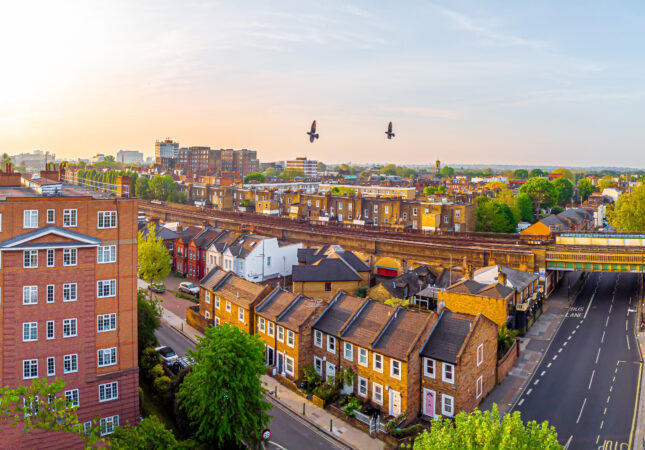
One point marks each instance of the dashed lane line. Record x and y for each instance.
(548, 365)
(581, 409)
(598, 355)
(520, 403)
(589, 305)
(602, 339)
(591, 379)
(529, 391)
(628, 346)
(607, 321)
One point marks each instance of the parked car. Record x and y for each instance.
(167, 354)
(157, 287)
(189, 288)
(181, 364)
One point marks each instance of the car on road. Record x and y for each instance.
(157, 287)
(181, 364)
(189, 288)
(167, 354)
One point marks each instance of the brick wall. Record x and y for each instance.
(315, 289)
(507, 362)
(495, 309)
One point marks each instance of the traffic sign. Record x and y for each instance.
(266, 434)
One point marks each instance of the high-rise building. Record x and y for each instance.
(165, 152)
(68, 302)
(197, 159)
(129, 157)
(308, 166)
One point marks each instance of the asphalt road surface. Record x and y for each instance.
(288, 431)
(586, 384)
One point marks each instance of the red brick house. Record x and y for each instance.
(181, 248)
(197, 248)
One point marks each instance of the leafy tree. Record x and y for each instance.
(271, 173)
(537, 173)
(505, 339)
(290, 173)
(365, 174)
(429, 190)
(585, 189)
(39, 406)
(495, 217)
(524, 207)
(142, 189)
(321, 166)
(628, 214)
(447, 171)
(149, 358)
(154, 259)
(485, 430)
(541, 192)
(605, 182)
(520, 174)
(441, 189)
(397, 302)
(223, 394)
(566, 173)
(150, 433)
(342, 190)
(255, 176)
(564, 190)
(163, 187)
(148, 321)
(495, 185)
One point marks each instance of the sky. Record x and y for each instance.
(496, 82)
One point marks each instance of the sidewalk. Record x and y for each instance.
(639, 433)
(533, 346)
(315, 416)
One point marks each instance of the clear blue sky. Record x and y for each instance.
(541, 82)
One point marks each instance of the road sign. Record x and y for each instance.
(266, 434)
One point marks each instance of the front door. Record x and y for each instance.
(395, 403)
(428, 402)
(270, 356)
(280, 363)
(331, 370)
(348, 388)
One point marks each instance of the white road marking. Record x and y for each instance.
(589, 306)
(626, 329)
(610, 307)
(577, 326)
(548, 365)
(520, 403)
(536, 381)
(607, 321)
(565, 343)
(529, 391)
(568, 442)
(278, 445)
(592, 374)
(598, 355)
(628, 347)
(555, 356)
(602, 339)
(543, 372)
(582, 408)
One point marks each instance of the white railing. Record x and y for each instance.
(94, 185)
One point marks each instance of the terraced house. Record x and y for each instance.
(284, 325)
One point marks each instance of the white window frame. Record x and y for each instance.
(318, 338)
(108, 424)
(207, 315)
(480, 354)
(30, 295)
(50, 289)
(29, 331)
(363, 352)
(207, 297)
(53, 328)
(73, 397)
(479, 386)
(286, 365)
(270, 328)
(331, 344)
(228, 306)
(72, 325)
(375, 390)
(108, 391)
(70, 292)
(29, 216)
(446, 379)
(105, 322)
(30, 259)
(70, 218)
(395, 363)
(52, 372)
(348, 351)
(291, 338)
(53, 216)
(106, 250)
(261, 324)
(104, 217)
(217, 301)
(280, 333)
(100, 288)
(362, 382)
(318, 365)
(108, 356)
(52, 252)
(28, 366)
(71, 255)
(448, 412)
(377, 358)
(240, 314)
(70, 361)
(432, 363)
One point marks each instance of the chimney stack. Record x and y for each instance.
(501, 276)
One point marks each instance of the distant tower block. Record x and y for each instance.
(437, 166)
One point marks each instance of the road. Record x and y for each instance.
(288, 430)
(586, 384)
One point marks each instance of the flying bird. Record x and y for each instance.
(312, 134)
(389, 132)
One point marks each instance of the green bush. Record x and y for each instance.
(161, 384)
(328, 391)
(361, 291)
(310, 380)
(156, 372)
(351, 405)
(149, 358)
(412, 430)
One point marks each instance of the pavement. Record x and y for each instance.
(639, 435)
(587, 382)
(290, 428)
(532, 348)
(168, 300)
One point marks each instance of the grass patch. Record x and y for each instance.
(152, 404)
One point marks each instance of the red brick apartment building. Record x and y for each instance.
(68, 260)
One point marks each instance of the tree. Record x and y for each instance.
(485, 430)
(540, 191)
(255, 176)
(441, 189)
(495, 217)
(524, 207)
(585, 189)
(154, 258)
(321, 166)
(429, 190)
(223, 394)
(290, 173)
(39, 406)
(628, 214)
(365, 174)
(148, 320)
(163, 187)
(495, 185)
(563, 189)
(520, 174)
(149, 433)
(142, 189)
(537, 173)
(271, 172)
(447, 172)
(566, 173)
(605, 182)
(342, 190)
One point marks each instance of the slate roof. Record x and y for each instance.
(203, 240)
(233, 288)
(337, 313)
(332, 269)
(164, 233)
(401, 333)
(447, 337)
(225, 239)
(415, 280)
(299, 312)
(365, 326)
(188, 233)
(494, 290)
(275, 303)
(311, 256)
(517, 279)
(245, 245)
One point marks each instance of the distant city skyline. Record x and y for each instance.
(463, 82)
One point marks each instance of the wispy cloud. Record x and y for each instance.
(423, 111)
(492, 36)
(575, 96)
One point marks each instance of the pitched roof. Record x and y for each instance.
(410, 283)
(447, 336)
(212, 278)
(275, 303)
(365, 326)
(517, 279)
(494, 290)
(402, 332)
(224, 239)
(338, 312)
(244, 245)
(233, 288)
(333, 269)
(186, 234)
(311, 256)
(203, 239)
(166, 234)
